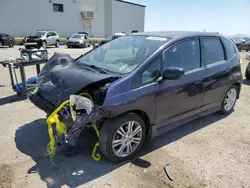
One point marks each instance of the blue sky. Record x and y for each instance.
(226, 16)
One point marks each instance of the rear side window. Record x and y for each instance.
(185, 55)
(213, 50)
(53, 34)
(230, 49)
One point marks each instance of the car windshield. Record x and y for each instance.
(124, 54)
(38, 34)
(77, 36)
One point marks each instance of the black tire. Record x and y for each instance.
(27, 47)
(11, 43)
(109, 130)
(239, 48)
(69, 46)
(247, 74)
(223, 109)
(57, 44)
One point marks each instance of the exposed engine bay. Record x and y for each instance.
(63, 79)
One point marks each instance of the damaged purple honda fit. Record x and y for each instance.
(141, 85)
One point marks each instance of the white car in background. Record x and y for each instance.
(42, 38)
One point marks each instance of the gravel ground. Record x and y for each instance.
(212, 151)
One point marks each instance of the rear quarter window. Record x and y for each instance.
(213, 50)
(230, 48)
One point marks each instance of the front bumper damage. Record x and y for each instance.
(85, 116)
(59, 93)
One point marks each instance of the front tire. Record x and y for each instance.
(122, 137)
(44, 44)
(11, 44)
(229, 100)
(57, 44)
(247, 72)
(84, 45)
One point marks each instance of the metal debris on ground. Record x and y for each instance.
(167, 171)
(78, 173)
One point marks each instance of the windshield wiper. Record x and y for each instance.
(102, 70)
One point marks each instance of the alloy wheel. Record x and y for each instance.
(127, 138)
(230, 99)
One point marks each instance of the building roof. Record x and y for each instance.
(131, 3)
(174, 34)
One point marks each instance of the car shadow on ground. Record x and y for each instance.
(11, 99)
(32, 139)
(246, 82)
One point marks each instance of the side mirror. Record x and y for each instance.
(173, 73)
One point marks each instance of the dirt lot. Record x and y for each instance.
(212, 151)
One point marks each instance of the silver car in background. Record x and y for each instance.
(43, 39)
(78, 40)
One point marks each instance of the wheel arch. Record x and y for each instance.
(238, 85)
(142, 115)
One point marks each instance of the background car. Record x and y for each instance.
(7, 40)
(78, 40)
(83, 32)
(43, 39)
(143, 85)
(114, 36)
(243, 43)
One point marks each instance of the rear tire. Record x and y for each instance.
(229, 100)
(129, 144)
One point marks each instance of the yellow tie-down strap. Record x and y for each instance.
(61, 130)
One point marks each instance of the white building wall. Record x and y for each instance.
(127, 17)
(21, 17)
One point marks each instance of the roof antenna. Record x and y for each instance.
(205, 30)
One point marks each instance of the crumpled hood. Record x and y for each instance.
(63, 76)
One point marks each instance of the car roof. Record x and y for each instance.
(176, 34)
(46, 31)
(119, 34)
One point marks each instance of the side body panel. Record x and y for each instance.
(220, 76)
